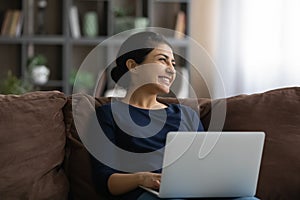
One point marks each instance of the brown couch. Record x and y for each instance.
(41, 156)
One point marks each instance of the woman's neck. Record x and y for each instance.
(143, 100)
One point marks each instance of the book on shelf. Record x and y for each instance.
(19, 25)
(180, 25)
(16, 24)
(6, 22)
(74, 22)
(12, 23)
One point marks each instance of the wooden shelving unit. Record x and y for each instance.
(65, 53)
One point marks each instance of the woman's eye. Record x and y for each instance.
(163, 59)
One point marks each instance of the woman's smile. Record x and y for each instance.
(165, 80)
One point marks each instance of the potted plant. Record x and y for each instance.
(38, 70)
(13, 85)
(125, 20)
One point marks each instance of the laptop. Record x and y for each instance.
(210, 164)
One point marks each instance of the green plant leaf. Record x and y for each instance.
(12, 85)
(36, 60)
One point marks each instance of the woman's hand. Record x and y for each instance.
(122, 183)
(149, 179)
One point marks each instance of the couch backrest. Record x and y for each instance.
(276, 112)
(32, 146)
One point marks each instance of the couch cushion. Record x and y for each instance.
(77, 163)
(32, 137)
(276, 112)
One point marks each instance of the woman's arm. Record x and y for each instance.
(121, 183)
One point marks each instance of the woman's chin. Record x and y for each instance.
(164, 89)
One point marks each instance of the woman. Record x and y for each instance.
(146, 68)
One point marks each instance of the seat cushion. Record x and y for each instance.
(32, 137)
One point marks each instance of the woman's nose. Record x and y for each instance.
(171, 70)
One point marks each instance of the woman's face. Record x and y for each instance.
(157, 72)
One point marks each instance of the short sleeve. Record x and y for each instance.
(192, 119)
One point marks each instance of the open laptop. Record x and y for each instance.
(211, 164)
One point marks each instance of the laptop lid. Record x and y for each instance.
(211, 164)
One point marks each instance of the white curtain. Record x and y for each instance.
(258, 45)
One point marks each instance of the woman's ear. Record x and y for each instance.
(131, 64)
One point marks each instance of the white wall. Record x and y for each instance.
(255, 44)
(203, 29)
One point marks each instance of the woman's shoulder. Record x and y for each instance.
(104, 107)
(105, 110)
(109, 104)
(181, 107)
(108, 107)
(184, 110)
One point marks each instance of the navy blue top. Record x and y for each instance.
(113, 117)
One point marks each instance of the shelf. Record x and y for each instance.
(10, 40)
(49, 39)
(32, 39)
(53, 83)
(117, 42)
(88, 41)
(172, 1)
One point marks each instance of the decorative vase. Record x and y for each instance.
(40, 74)
(90, 24)
(141, 22)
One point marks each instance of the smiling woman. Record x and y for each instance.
(134, 128)
(138, 123)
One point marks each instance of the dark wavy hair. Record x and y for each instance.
(136, 47)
